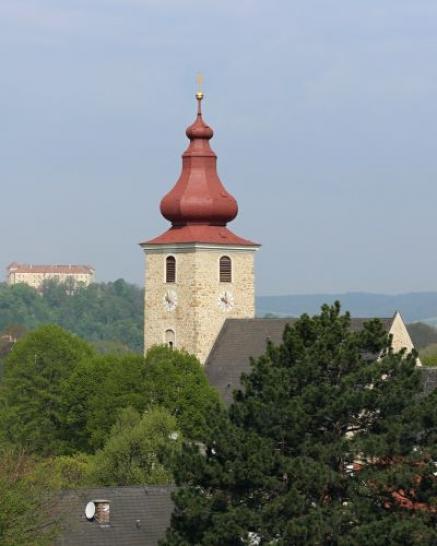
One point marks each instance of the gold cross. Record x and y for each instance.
(199, 79)
(199, 94)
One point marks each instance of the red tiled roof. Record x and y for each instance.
(218, 235)
(66, 269)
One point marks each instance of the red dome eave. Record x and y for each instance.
(203, 234)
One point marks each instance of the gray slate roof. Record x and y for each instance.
(139, 516)
(240, 339)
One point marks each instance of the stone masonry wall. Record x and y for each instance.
(198, 316)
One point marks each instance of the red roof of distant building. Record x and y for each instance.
(66, 269)
(199, 206)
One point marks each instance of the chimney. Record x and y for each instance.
(102, 515)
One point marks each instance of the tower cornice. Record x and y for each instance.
(188, 247)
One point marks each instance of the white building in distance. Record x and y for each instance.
(35, 275)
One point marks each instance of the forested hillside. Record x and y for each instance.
(108, 314)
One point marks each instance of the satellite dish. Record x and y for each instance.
(90, 510)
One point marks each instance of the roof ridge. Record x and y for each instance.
(118, 487)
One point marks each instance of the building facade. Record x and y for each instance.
(198, 273)
(35, 275)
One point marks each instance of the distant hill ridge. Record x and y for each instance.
(414, 306)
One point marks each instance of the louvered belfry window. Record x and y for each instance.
(170, 269)
(225, 269)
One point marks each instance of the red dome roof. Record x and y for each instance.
(199, 198)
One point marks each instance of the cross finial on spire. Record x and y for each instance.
(199, 94)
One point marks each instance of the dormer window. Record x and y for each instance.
(170, 269)
(225, 269)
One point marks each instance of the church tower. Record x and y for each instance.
(198, 273)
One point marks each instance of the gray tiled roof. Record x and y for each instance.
(139, 516)
(240, 339)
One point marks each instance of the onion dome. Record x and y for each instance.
(198, 196)
(199, 206)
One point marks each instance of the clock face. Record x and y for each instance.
(226, 301)
(170, 300)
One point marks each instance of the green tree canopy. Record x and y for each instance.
(329, 443)
(59, 397)
(177, 381)
(26, 502)
(22, 305)
(31, 403)
(139, 450)
(100, 312)
(103, 385)
(93, 396)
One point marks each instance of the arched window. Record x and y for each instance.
(170, 338)
(170, 269)
(225, 269)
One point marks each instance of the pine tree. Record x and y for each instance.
(329, 443)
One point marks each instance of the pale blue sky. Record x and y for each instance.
(325, 114)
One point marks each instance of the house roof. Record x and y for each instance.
(66, 269)
(139, 516)
(239, 339)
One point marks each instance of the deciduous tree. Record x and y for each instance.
(27, 515)
(103, 385)
(31, 403)
(140, 449)
(176, 380)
